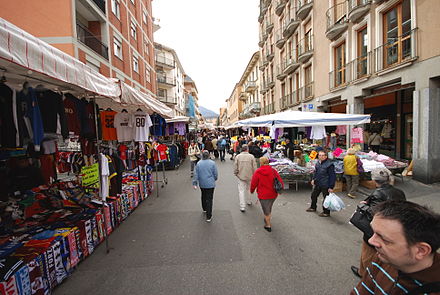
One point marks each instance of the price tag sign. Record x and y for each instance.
(90, 175)
(313, 155)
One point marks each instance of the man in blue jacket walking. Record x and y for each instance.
(205, 177)
(323, 182)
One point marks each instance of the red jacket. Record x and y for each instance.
(262, 180)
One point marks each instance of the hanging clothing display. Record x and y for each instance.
(162, 152)
(272, 132)
(159, 125)
(318, 132)
(341, 130)
(71, 112)
(386, 130)
(52, 112)
(8, 128)
(107, 125)
(124, 126)
(180, 127)
(357, 135)
(142, 123)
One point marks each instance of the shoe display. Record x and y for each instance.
(311, 209)
(355, 271)
(324, 214)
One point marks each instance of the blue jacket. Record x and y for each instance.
(205, 174)
(325, 175)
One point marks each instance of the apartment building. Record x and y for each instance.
(170, 79)
(234, 105)
(223, 117)
(115, 37)
(248, 84)
(287, 56)
(379, 57)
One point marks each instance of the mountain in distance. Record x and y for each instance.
(206, 113)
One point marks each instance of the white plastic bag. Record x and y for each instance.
(333, 202)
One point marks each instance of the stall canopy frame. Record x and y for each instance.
(303, 119)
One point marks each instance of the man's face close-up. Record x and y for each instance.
(390, 243)
(322, 156)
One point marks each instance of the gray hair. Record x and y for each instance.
(244, 147)
(205, 155)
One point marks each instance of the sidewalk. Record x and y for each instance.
(424, 194)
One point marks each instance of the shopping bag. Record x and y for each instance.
(361, 219)
(333, 203)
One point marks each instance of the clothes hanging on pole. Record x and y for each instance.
(318, 132)
(108, 127)
(341, 130)
(142, 123)
(52, 112)
(70, 103)
(357, 135)
(124, 126)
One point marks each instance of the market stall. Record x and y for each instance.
(73, 166)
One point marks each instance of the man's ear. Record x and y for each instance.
(422, 250)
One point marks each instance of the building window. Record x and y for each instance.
(133, 31)
(147, 48)
(397, 33)
(135, 64)
(339, 71)
(116, 8)
(308, 82)
(362, 58)
(148, 75)
(117, 47)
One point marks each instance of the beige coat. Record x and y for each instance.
(192, 151)
(244, 166)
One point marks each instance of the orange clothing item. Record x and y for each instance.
(108, 128)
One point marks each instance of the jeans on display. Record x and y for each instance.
(352, 183)
(317, 190)
(244, 195)
(207, 196)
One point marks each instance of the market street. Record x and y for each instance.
(166, 247)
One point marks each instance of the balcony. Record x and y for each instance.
(269, 109)
(270, 82)
(307, 92)
(336, 21)
(269, 53)
(280, 73)
(243, 96)
(305, 49)
(250, 86)
(290, 24)
(168, 99)
(262, 65)
(357, 9)
(280, 6)
(100, 4)
(269, 25)
(254, 107)
(339, 77)
(360, 68)
(290, 64)
(303, 9)
(279, 38)
(285, 101)
(264, 88)
(91, 41)
(165, 62)
(166, 81)
(397, 52)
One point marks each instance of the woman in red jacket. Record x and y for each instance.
(263, 180)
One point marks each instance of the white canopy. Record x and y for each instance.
(298, 119)
(18, 47)
(182, 119)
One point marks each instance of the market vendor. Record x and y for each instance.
(289, 149)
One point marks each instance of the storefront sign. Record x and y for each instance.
(90, 175)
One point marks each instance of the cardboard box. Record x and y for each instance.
(370, 184)
(340, 186)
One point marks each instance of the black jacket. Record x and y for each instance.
(325, 176)
(256, 151)
(384, 193)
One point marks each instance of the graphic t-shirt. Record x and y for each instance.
(71, 112)
(141, 126)
(124, 126)
(108, 127)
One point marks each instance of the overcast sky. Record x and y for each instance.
(214, 41)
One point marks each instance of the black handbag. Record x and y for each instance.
(361, 219)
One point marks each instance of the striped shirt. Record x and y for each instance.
(381, 278)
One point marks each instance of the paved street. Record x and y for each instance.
(166, 247)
